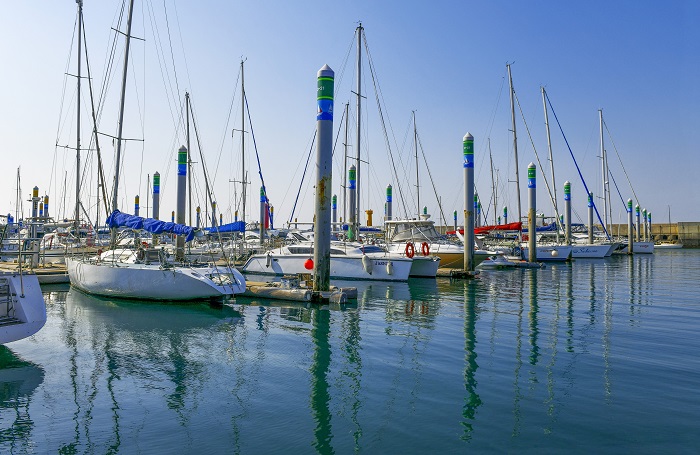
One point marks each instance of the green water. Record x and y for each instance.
(597, 356)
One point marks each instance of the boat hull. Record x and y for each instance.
(592, 251)
(27, 313)
(550, 253)
(151, 282)
(341, 267)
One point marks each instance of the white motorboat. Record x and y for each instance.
(549, 253)
(349, 261)
(148, 275)
(637, 248)
(497, 262)
(22, 306)
(668, 246)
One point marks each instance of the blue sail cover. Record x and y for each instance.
(119, 219)
(238, 226)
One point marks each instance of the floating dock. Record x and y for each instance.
(47, 274)
(291, 289)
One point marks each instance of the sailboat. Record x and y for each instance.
(669, 244)
(147, 273)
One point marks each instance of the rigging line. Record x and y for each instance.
(228, 120)
(595, 207)
(165, 73)
(170, 42)
(182, 46)
(302, 177)
(620, 159)
(257, 156)
(542, 171)
(618, 190)
(430, 175)
(63, 96)
(381, 117)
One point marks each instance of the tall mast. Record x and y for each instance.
(77, 146)
(551, 158)
(604, 165)
(493, 187)
(359, 117)
(189, 159)
(345, 167)
(113, 233)
(415, 142)
(515, 141)
(243, 180)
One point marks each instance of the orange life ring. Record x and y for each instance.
(425, 249)
(410, 250)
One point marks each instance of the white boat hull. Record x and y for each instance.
(425, 266)
(22, 307)
(151, 282)
(638, 248)
(345, 267)
(550, 253)
(668, 246)
(592, 251)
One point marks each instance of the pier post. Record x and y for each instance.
(46, 206)
(644, 219)
(199, 216)
(636, 212)
(468, 152)
(35, 201)
(213, 214)
(389, 203)
(334, 208)
(532, 212)
(136, 205)
(156, 204)
(478, 214)
(476, 210)
(567, 212)
(630, 237)
(455, 221)
(324, 174)
(352, 211)
(263, 215)
(505, 215)
(651, 238)
(590, 217)
(181, 200)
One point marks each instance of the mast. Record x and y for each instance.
(113, 233)
(243, 176)
(359, 117)
(515, 142)
(493, 187)
(189, 159)
(345, 167)
(415, 142)
(604, 166)
(551, 159)
(77, 146)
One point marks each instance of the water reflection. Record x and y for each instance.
(109, 342)
(18, 381)
(472, 400)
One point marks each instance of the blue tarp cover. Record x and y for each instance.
(238, 226)
(119, 219)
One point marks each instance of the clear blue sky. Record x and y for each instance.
(637, 60)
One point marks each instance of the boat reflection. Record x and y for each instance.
(18, 381)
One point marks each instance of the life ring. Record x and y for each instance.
(425, 249)
(410, 250)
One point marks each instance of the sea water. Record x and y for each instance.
(593, 356)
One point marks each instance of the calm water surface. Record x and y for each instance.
(597, 356)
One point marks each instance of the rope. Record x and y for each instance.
(595, 207)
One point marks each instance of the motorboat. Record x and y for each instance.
(348, 261)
